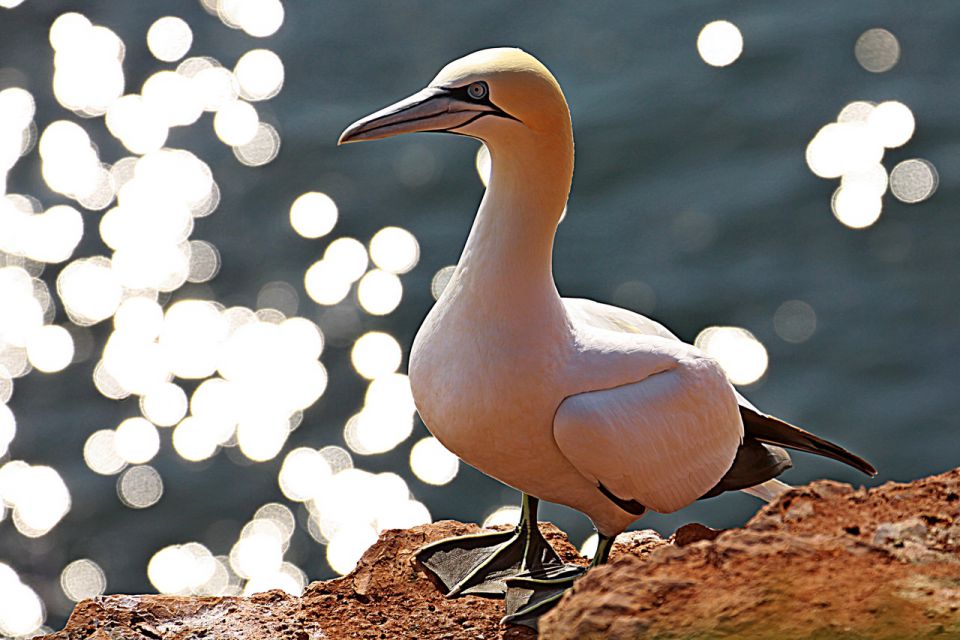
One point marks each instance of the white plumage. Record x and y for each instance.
(568, 400)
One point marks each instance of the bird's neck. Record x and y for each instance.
(508, 258)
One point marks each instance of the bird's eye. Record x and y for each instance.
(477, 90)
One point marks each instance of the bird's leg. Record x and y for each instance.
(479, 564)
(532, 594)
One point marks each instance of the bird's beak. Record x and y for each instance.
(433, 109)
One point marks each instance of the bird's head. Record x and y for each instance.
(491, 95)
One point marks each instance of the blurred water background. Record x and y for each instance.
(693, 202)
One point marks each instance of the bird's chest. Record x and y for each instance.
(484, 388)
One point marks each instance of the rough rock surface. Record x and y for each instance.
(823, 561)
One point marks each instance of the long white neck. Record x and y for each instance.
(508, 259)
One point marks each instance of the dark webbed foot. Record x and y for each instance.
(479, 564)
(533, 593)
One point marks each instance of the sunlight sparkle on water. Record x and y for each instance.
(100, 453)
(795, 321)
(742, 356)
(852, 149)
(877, 50)
(856, 206)
(720, 43)
(164, 405)
(169, 38)
(891, 123)
(258, 18)
(196, 439)
(483, 164)
(507, 515)
(182, 569)
(395, 250)
(914, 180)
(37, 494)
(589, 546)
(432, 462)
(82, 579)
(235, 123)
(355, 507)
(173, 98)
(260, 74)
(347, 256)
(268, 359)
(262, 149)
(440, 280)
(375, 354)
(313, 214)
(377, 430)
(88, 76)
(21, 611)
(136, 440)
(140, 487)
(303, 473)
(8, 428)
(50, 348)
(379, 292)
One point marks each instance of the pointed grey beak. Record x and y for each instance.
(433, 109)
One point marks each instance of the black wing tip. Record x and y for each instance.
(775, 431)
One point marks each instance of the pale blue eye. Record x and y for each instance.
(477, 90)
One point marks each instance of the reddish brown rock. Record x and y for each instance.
(823, 561)
(386, 596)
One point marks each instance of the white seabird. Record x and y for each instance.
(567, 400)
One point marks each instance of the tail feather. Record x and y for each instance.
(773, 431)
(769, 490)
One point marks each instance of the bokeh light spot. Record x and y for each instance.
(100, 453)
(137, 440)
(347, 256)
(914, 180)
(236, 123)
(260, 74)
(891, 123)
(483, 164)
(742, 356)
(877, 50)
(169, 38)
(376, 354)
(347, 546)
(379, 292)
(262, 149)
(313, 214)
(795, 321)
(395, 250)
(432, 462)
(82, 579)
(164, 404)
(440, 280)
(140, 487)
(720, 43)
(507, 515)
(50, 348)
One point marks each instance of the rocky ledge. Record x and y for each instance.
(823, 561)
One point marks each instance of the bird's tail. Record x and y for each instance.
(769, 490)
(777, 432)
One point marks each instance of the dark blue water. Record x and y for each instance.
(689, 178)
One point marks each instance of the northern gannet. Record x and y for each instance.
(567, 400)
